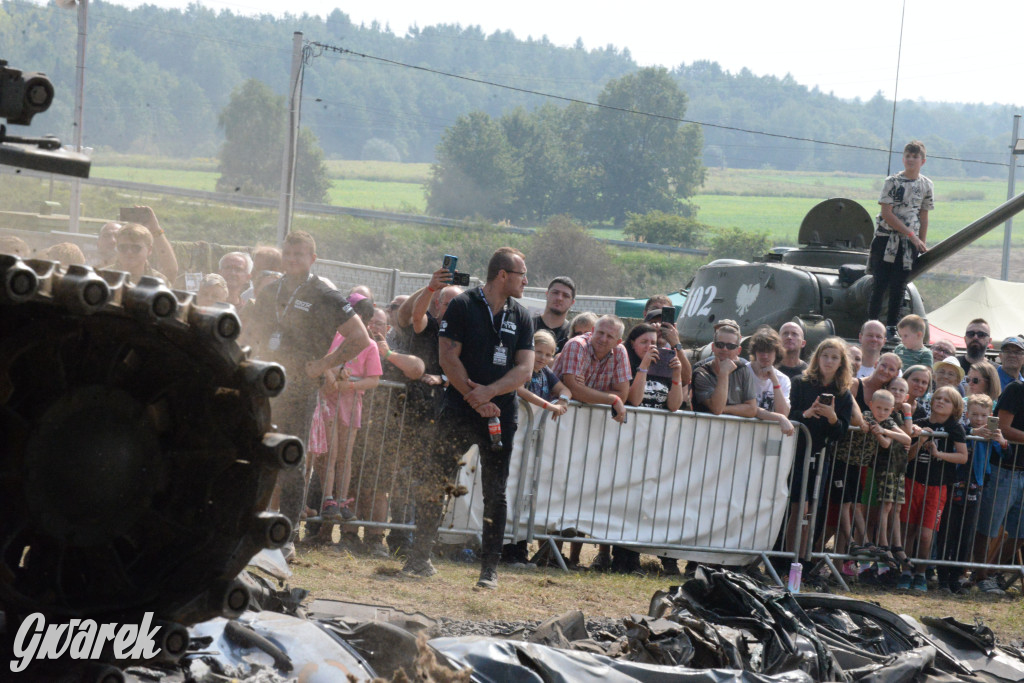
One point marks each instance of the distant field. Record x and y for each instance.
(191, 180)
(772, 201)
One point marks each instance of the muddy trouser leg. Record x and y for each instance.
(495, 478)
(291, 412)
(434, 480)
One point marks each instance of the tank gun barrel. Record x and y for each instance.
(960, 239)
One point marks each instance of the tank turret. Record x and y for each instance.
(823, 284)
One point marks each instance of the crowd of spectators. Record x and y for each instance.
(905, 482)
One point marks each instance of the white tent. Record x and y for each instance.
(998, 302)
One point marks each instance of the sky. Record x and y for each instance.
(951, 51)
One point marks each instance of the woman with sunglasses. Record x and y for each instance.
(820, 399)
(983, 378)
(134, 245)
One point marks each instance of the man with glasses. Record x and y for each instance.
(134, 245)
(1011, 358)
(236, 269)
(485, 347)
(977, 338)
(718, 385)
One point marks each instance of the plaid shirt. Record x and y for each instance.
(577, 358)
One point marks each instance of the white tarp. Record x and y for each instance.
(663, 478)
(996, 301)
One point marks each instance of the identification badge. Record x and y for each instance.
(500, 356)
(275, 341)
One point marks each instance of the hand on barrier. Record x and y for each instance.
(787, 427)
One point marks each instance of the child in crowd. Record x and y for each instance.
(900, 232)
(996, 509)
(868, 447)
(544, 389)
(336, 420)
(890, 472)
(583, 323)
(956, 540)
(931, 470)
(911, 348)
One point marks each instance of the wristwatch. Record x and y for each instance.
(678, 346)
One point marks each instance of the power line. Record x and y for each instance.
(322, 47)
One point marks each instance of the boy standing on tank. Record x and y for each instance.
(900, 232)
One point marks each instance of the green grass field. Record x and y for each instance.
(770, 201)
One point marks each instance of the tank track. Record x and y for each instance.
(136, 461)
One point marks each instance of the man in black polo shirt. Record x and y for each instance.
(561, 295)
(293, 323)
(486, 350)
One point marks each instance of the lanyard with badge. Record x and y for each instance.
(500, 357)
(275, 338)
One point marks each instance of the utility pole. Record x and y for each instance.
(284, 217)
(76, 183)
(1016, 148)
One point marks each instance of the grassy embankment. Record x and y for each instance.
(770, 201)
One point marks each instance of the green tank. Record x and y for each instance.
(823, 285)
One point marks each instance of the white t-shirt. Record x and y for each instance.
(766, 390)
(864, 371)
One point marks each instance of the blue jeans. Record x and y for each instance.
(1002, 504)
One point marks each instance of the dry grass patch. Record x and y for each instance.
(536, 594)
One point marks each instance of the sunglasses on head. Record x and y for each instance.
(129, 248)
(729, 346)
(975, 333)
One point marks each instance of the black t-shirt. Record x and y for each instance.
(923, 468)
(469, 322)
(1012, 399)
(561, 333)
(423, 344)
(301, 321)
(792, 372)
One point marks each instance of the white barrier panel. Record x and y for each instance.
(670, 479)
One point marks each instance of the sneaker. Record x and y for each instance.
(488, 578)
(919, 583)
(905, 581)
(421, 569)
(892, 335)
(850, 568)
(345, 509)
(602, 563)
(990, 586)
(330, 512)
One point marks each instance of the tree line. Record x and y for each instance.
(158, 79)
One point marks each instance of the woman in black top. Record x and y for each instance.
(820, 399)
(655, 384)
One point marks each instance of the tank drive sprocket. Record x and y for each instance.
(136, 461)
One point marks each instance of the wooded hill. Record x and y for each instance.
(157, 80)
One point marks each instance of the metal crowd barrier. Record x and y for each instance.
(957, 539)
(686, 485)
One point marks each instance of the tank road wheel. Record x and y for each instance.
(135, 464)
